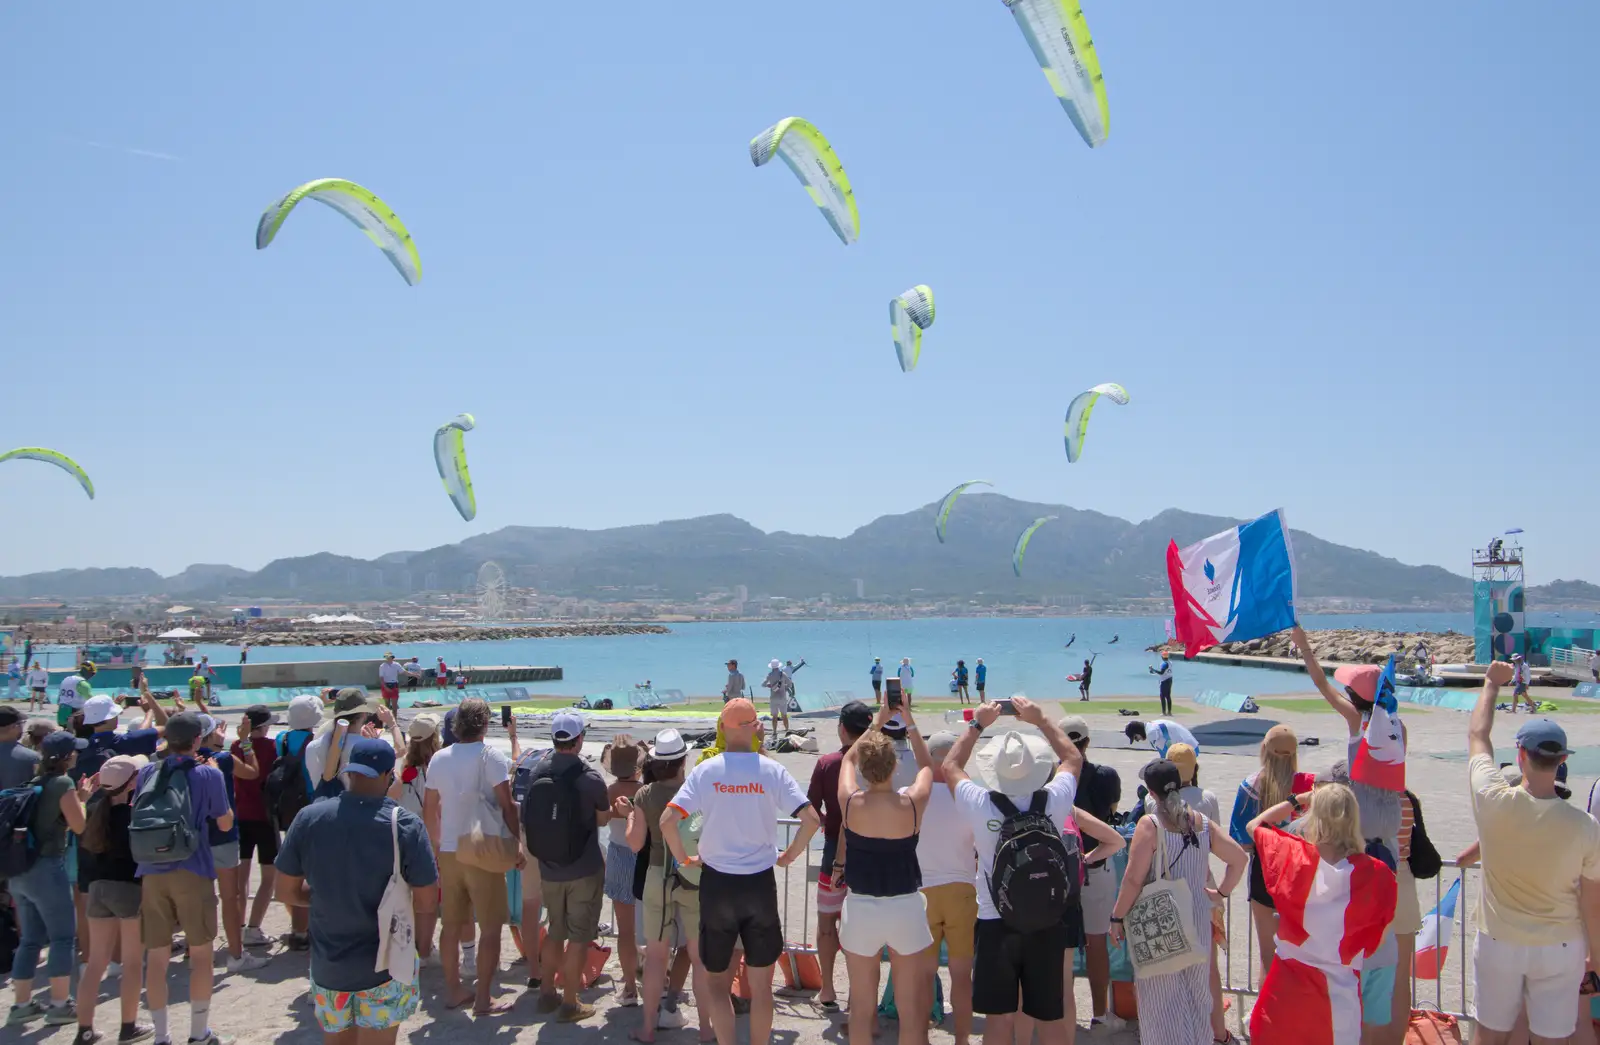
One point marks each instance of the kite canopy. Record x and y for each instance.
(1022, 542)
(365, 210)
(812, 159)
(909, 315)
(1082, 406)
(450, 454)
(1059, 37)
(60, 460)
(949, 502)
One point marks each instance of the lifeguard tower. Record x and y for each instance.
(1498, 609)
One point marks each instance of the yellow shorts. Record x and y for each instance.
(471, 893)
(953, 916)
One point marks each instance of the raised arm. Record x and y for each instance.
(955, 763)
(1338, 701)
(1481, 725)
(1066, 751)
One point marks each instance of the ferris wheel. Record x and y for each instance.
(491, 592)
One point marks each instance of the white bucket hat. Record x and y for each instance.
(1015, 764)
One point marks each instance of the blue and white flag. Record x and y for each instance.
(1235, 586)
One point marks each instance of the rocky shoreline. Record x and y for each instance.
(1353, 646)
(447, 633)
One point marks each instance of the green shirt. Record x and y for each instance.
(49, 824)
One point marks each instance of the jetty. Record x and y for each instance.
(296, 674)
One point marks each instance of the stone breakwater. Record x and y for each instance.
(449, 633)
(1354, 646)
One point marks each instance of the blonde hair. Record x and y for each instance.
(1334, 820)
(420, 750)
(1275, 782)
(876, 757)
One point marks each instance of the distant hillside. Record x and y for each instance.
(1558, 594)
(1082, 553)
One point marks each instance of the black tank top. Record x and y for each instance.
(882, 866)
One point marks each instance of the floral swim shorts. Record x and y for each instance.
(378, 1008)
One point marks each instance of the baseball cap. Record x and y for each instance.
(117, 770)
(10, 716)
(1162, 777)
(1338, 773)
(1076, 727)
(208, 724)
(186, 727)
(1183, 756)
(424, 726)
(102, 708)
(60, 744)
(669, 745)
(370, 758)
(737, 712)
(1361, 679)
(258, 714)
(855, 717)
(305, 711)
(940, 745)
(566, 725)
(1543, 736)
(1280, 740)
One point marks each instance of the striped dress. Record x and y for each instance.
(1175, 1009)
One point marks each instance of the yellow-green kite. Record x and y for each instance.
(365, 210)
(812, 159)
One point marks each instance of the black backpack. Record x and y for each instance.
(18, 846)
(284, 791)
(554, 831)
(1424, 860)
(1038, 872)
(161, 829)
(523, 773)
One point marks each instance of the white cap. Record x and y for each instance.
(100, 709)
(305, 711)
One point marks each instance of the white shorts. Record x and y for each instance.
(1098, 897)
(1507, 975)
(871, 923)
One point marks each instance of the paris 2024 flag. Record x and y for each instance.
(1234, 586)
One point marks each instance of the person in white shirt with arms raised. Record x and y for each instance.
(742, 795)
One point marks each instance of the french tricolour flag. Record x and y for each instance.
(1235, 586)
(1433, 942)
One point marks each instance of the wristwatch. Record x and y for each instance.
(975, 724)
(1115, 920)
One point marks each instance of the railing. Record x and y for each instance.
(1571, 663)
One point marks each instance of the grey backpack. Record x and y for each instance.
(162, 830)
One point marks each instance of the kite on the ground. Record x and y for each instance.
(1022, 542)
(1059, 37)
(55, 457)
(366, 211)
(812, 159)
(949, 502)
(909, 315)
(1082, 406)
(450, 454)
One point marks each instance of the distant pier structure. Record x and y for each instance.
(1499, 608)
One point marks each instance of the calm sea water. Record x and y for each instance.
(1023, 656)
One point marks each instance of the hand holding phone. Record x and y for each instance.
(505, 715)
(1007, 707)
(893, 696)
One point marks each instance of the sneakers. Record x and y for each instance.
(137, 1032)
(25, 1013)
(628, 999)
(254, 937)
(113, 969)
(431, 960)
(87, 1036)
(60, 1015)
(741, 1006)
(298, 941)
(574, 1013)
(547, 1003)
(670, 1019)
(211, 1038)
(247, 961)
(1110, 1023)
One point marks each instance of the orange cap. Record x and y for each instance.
(737, 712)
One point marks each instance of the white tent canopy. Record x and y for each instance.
(175, 611)
(179, 633)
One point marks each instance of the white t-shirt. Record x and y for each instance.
(461, 773)
(389, 672)
(316, 754)
(984, 820)
(38, 678)
(742, 795)
(944, 848)
(1163, 733)
(906, 674)
(69, 695)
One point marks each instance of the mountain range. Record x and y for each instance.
(1081, 553)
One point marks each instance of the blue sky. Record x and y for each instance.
(1344, 260)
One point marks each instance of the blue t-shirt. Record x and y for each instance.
(208, 800)
(982, 672)
(344, 850)
(961, 675)
(224, 762)
(877, 672)
(103, 746)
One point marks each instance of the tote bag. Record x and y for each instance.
(484, 843)
(1162, 937)
(397, 932)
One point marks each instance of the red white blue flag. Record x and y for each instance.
(1433, 942)
(1233, 586)
(1381, 758)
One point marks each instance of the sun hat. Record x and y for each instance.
(1162, 777)
(117, 770)
(669, 745)
(1076, 727)
(1015, 764)
(774, 663)
(895, 728)
(1516, 656)
(622, 757)
(1362, 679)
(424, 726)
(565, 726)
(60, 744)
(1183, 756)
(1544, 737)
(305, 711)
(370, 758)
(1281, 741)
(352, 700)
(102, 708)
(736, 713)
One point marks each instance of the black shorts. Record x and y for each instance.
(877, 685)
(1006, 961)
(742, 909)
(980, 687)
(1258, 885)
(258, 835)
